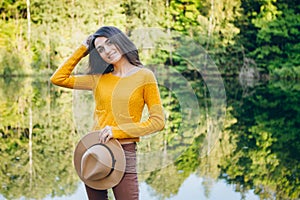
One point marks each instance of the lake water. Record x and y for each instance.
(248, 148)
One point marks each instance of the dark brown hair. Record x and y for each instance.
(96, 64)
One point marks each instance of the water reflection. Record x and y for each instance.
(36, 140)
(256, 157)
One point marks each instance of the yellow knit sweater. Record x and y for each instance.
(119, 101)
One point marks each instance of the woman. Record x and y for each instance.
(121, 87)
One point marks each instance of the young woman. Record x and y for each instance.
(121, 88)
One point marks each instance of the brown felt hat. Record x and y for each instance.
(99, 166)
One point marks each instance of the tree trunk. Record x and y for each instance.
(30, 144)
(28, 23)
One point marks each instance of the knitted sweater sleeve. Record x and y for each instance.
(156, 119)
(62, 76)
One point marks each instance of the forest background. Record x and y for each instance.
(257, 38)
(262, 35)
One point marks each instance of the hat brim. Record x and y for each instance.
(115, 176)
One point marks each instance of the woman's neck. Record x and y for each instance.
(122, 67)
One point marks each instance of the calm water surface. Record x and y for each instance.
(256, 155)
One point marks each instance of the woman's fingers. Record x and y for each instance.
(102, 135)
(109, 134)
(105, 134)
(87, 41)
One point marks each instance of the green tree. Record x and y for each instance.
(270, 32)
(266, 125)
(278, 35)
(140, 14)
(37, 140)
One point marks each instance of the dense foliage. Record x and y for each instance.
(36, 145)
(266, 139)
(257, 150)
(36, 36)
(246, 37)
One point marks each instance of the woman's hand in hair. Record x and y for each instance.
(87, 41)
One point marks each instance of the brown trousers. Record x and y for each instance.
(128, 188)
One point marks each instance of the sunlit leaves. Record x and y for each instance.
(45, 168)
(267, 154)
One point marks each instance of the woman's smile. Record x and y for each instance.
(111, 55)
(107, 50)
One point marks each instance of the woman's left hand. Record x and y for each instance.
(105, 134)
(87, 41)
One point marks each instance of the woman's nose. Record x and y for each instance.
(107, 48)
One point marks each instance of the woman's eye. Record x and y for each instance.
(109, 43)
(100, 49)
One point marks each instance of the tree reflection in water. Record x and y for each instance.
(258, 149)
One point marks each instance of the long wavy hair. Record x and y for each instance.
(97, 65)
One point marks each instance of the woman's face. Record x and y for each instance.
(107, 50)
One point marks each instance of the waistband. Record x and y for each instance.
(128, 140)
